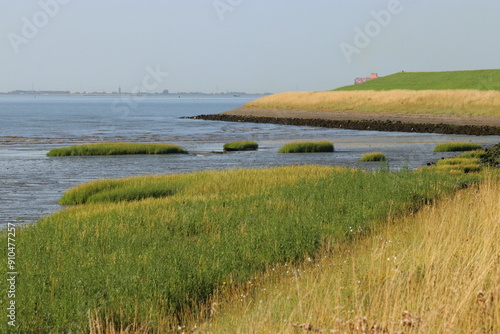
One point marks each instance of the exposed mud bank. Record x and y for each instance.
(374, 125)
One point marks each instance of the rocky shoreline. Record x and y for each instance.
(373, 125)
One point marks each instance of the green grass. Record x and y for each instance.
(192, 185)
(456, 147)
(474, 168)
(241, 146)
(460, 165)
(115, 149)
(460, 168)
(117, 191)
(469, 162)
(476, 80)
(473, 154)
(307, 147)
(142, 262)
(457, 161)
(373, 156)
(435, 271)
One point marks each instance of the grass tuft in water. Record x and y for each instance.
(456, 147)
(241, 146)
(374, 156)
(307, 147)
(115, 149)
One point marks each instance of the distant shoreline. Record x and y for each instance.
(230, 94)
(465, 125)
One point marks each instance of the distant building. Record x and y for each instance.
(358, 81)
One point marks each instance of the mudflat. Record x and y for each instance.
(351, 115)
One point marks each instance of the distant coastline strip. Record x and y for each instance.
(367, 125)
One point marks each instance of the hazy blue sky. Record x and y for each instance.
(237, 45)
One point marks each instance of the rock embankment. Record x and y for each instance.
(368, 124)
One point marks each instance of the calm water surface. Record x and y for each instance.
(31, 182)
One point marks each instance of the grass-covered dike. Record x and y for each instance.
(402, 102)
(144, 263)
(115, 149)
(448, 80)
(456, 93)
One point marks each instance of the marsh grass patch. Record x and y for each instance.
(456, 165)
(307, 147)
(117, 148)
(459, 164)
(472, 154)
(456, 147)
(457, 161)
(459, 169)
(373, 156)
(246, 145)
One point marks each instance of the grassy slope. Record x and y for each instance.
(436, 272)
(139, 262)
(476, 80)
(472, 93)
(433, 102)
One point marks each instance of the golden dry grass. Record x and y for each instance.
(437, 102)
(435, 272)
